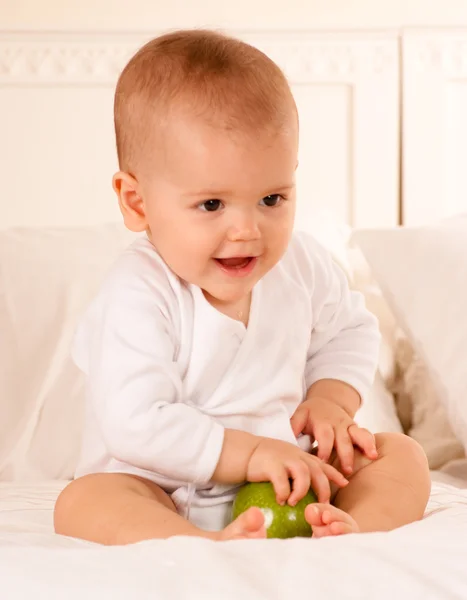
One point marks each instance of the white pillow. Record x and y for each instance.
(420, 411)
(47, 277)
(423, 274)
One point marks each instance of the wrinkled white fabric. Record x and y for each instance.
(423, 560)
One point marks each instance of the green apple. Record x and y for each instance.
(281, 521)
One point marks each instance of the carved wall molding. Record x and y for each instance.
(30, 58)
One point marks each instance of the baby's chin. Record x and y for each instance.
(229, 293)
(223, 285)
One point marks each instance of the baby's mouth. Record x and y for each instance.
(239, 262)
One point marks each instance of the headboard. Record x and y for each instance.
(57, 150)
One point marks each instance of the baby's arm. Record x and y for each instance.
(246, 457)
(345, 338)
(341, 362)
(136, 393)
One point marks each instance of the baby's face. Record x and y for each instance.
(220, 209)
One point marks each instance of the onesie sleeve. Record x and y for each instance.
(126, 348)
(345, 338)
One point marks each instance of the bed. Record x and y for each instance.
(57, 239)
(423, 560)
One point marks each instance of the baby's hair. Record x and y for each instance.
(223, 80)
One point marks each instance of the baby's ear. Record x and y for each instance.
(130, 202)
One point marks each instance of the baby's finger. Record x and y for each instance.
(280, 482)
(344, 448)
(334, 475)
(324, 435)
(299, 420)
(318, 480)
(300, 474)
(364, 439)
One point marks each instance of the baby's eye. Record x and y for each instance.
(272, 200)
(211, 205)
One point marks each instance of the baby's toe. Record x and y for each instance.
(327, 520)
(253, 520)
(249, 524)
(340, 528)
(314, 514)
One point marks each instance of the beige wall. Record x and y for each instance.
(296, 14)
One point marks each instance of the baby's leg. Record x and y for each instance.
(116, 509)
(386, 493)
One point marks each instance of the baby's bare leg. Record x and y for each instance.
(116, 509)
(390, 491)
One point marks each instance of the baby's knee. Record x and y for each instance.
(400, 444)
(92, 503)
(86, 499)
(404, 450)
(67, 505)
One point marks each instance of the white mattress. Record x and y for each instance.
(423, 560)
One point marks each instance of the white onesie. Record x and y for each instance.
(166, 372)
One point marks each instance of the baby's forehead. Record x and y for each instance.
(200, 159)
(186, 133)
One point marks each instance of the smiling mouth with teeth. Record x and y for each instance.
(237, 266)
(236, 262)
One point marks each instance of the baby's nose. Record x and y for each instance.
(244, 228)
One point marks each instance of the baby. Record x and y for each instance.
(222, 344)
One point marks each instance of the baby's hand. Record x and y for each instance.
(326, 520)
(278, 462)
(331, 426)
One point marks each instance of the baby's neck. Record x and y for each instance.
(239, 311)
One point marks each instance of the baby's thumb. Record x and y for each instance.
(299, 420)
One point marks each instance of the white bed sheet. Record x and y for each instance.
(425, 560)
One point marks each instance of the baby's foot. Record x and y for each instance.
(327, 520)
(248, 525)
